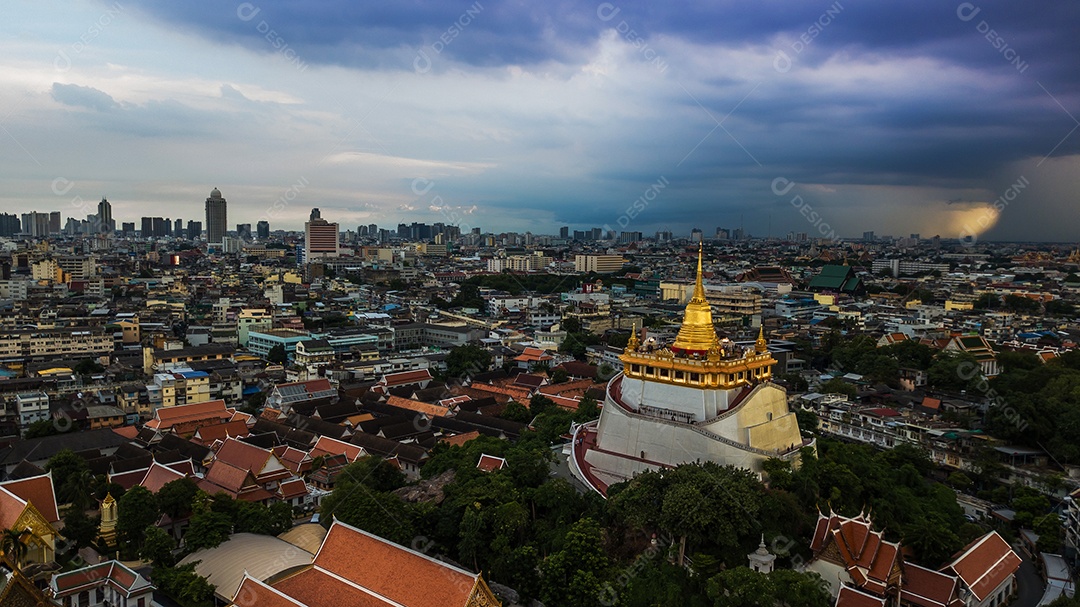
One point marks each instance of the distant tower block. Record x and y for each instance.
(761, 560)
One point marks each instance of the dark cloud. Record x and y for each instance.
(83, 96)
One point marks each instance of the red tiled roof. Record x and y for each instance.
(316, 586)
(851, 597)
(128, 432)
(331, 446)
(405, 377)
(249, 457)
(418, 406)
(128, 479)
(253, 592)
(206, 435)
(380, 566)
(158, 476)
(290, 489)
(461, 439)
(928, 588)
(985, 564)
(490, 463)
(37, 490)
(167, 417)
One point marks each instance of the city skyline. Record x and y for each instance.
(787, 118)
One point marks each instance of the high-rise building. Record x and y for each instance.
(54, 222)
(243, 231)
(9, 224)
(696, 235)
(263, 230)
(36, 225)
(564, 232)
(216, 217)
(147, 230)
(194, 230)
(868, 236)
(373, 229)
(178, 228)
(104, 216)
(320, 238)
(128, 228)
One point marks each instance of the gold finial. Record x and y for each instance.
(761, 345)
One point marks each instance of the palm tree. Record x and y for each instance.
(11, 544)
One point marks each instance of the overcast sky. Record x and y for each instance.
(777, 116)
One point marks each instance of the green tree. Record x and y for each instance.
(176, 497)
(574, 575)
(135, 511)
(559, 376)
(1051, 533)
(184, 585)
(79, 528)
(158, 547)
(954, 371)
(41, 428)
(277, 355)
(12, 545)
(587, 410)
(468, 359)
(71, 477)
(839, 386)
(208, 529)
(516, 412)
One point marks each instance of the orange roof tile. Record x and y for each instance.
(985, 564)
(37, 490)
(420, 407)
(461, 439)
(331, 446)
(167, 417)
(380, 565)
(157, 476)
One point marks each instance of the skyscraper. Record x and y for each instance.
(320, 238)
(216, 218)
(262, 229)
(194, 230)
(178, 228)
(54, 222)
(243, 231)
(104, 216)
(9, 224)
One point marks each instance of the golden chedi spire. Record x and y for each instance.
(697, 334)
(761, 346)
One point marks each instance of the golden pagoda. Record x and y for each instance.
(697, 334)
(697, 357)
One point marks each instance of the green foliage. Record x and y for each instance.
(839, 386)
(587, 410)
(954, 371)
(516, 412)
(158, 548)
(1051, 533)
(1021, 304)
(135, 511)
(71, 478)
(572, 576)
(41, 428)
(539, 404)
(893, 485)
(356, 501)
(468, 359)
(88, 366)
(559, 376)
(1040, 406)
(277, 355)
(80, 529)
(744, 587)
(175, 498)
(184, 586)
(208, 529)
(711, 506)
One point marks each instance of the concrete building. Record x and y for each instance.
(320, 238)
(216, 218)
(601, 264)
